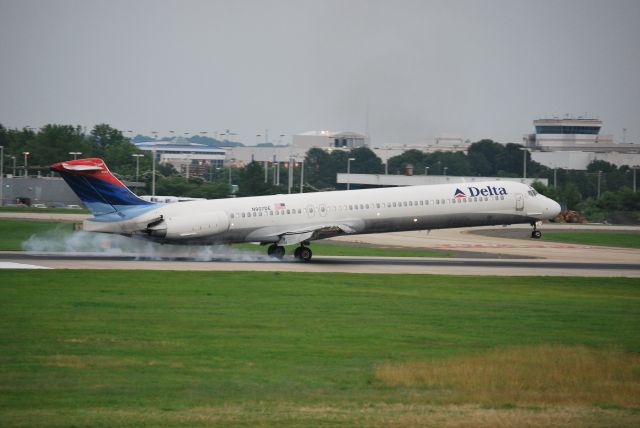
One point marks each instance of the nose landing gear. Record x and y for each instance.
(535, 233)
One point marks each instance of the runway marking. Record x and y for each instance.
(11, 265)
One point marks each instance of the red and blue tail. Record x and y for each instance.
(100, 191)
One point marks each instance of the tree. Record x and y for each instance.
(251, 181)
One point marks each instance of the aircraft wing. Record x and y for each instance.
(304, 233)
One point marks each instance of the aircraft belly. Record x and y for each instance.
(441, 221)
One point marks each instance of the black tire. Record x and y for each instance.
(278, 253)
(536, 234)
(296, 252)
(271, 250)
(305, 254)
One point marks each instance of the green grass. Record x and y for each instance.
(14, 232)
(43, 210)
(149, 348)
(612, 239)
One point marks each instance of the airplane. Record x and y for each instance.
(279, 220)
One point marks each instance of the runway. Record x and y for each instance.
(480, 250)
(379, 265)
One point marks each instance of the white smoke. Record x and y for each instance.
(91, 244)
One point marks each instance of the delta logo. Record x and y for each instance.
(481, 191)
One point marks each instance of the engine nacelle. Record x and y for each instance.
(192, 226)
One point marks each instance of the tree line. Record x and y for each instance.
(602, 191)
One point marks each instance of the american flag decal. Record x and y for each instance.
(279, 206)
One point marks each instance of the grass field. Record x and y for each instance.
(612, 239)
(98, 348)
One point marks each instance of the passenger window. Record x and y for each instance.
(421, 202)
(394, 204)
(437, 201)
(242, 214)
(361, 206)
(366, 206)
(378, 205)
(410, 204)
(350, 207)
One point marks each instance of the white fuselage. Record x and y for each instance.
(288, 219)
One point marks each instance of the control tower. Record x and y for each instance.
(554, 134)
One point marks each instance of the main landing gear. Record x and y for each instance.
(275, 251)
(301, 253)
(535, 233)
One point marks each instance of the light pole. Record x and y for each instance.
(75, 154)
(445, 170)
(599, 175)
(349, 172)
(2, 176)
(524, 162)
(301, 175)
(555, 177)
(137, 156)
(634, 177)
(26, 157)
(290, 174)
(386, 167)
(14, 166)
(426, 170)
(153, 173)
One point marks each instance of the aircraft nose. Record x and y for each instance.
(553, 208)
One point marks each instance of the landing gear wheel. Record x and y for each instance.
(296, 252)
(271, 250)
(278, 252)
(305, 254)
(535, 233)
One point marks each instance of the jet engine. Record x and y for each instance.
(189, 226)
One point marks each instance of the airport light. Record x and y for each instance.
(26, 158)
(2, 176)
(137, 156)
(75, 154)
(349, 172)
(445, 170)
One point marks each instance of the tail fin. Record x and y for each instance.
(94, 184)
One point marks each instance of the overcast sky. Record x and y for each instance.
(478, 69)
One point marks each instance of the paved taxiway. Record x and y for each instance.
(487, 252)
(414, 265)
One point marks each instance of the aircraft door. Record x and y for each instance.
(519, 202)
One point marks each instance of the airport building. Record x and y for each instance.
(180, 152)
(573, 143)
